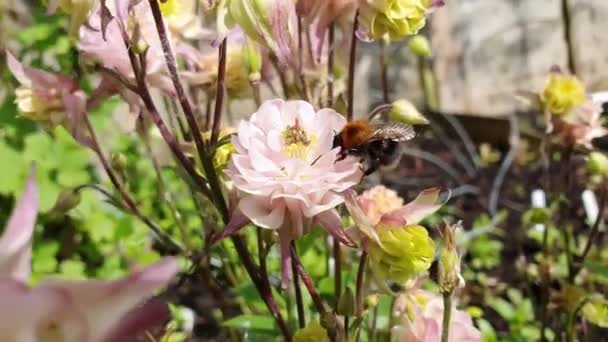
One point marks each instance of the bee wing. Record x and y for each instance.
(395, 131)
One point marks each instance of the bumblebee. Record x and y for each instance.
(375, 143)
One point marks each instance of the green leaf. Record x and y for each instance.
(251, 322)
(73, 269)
(596, 312)
(503, 308)
(597, 270)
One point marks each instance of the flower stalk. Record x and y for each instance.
(351, 68)
(447, 310)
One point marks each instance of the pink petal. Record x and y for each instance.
(361, 220)
(267, 216)
(17, 69)
(330, 220)
(15, 243)
(24, 313)
(237, 222)
(104, 304)
(152, 314)
(75, 108)
(414, 212)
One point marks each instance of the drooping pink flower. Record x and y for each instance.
(399, 248)
(381, 206)
(423, 323)
(71, 311)
(109, 49)
(581, 125)
(49, 99)
(84, 310)
(285, 168)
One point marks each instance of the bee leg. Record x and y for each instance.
(374, 164)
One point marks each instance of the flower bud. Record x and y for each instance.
(449, 261)
(562, 93)
(420, 46)
(346, 303)
(66, 201)
(403, 253)
(313, 332)
(252, 59)
(404, 111)
(371, 301)
(597, 164)
(119, 162)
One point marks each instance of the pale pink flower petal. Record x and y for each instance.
(15, 243)
(424, 205)
(103, 304)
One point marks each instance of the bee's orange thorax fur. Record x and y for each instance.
(356, 133)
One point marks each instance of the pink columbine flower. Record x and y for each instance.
(581, 125)
(286, 171)
(422, 319)
(107, 48)
(71, 311)
(399, 248)
(49, 99)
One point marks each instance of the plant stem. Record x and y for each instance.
(383, 70)
(330, 66)
(359, 291)
(351, 68)
(447, 312)
(314, 295)
(166, 195)
(128, 201)
(337, 270)
(179, 89)
(298, 291)
(220, 90)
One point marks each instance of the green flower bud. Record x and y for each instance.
(449, 261)
(252, 59)
(346, 303)
(597, 163)
(66, 201)
(420, 46)
(371, 301)
(119, 162)
(403, 253)
(313, 332)
(404, 111)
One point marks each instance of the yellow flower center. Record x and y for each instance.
(169, 7)
(296, 141)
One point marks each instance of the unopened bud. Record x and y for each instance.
(66, 201)
(449, 261)
(252, 58)
(346, 303)
(420, 46)
(404, 111)
(141, 46)
(371, 301)
(597, 164)
(119, 162)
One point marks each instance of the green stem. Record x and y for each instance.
(359, 291)
(351, 69)
(447, 312)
